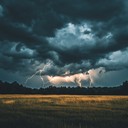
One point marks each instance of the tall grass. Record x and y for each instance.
(64, 111)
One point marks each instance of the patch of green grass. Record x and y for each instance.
(52, 111)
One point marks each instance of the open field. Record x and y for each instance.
(63, 111)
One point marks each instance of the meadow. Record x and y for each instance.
(63, 111)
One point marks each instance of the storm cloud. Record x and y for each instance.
(76, 36)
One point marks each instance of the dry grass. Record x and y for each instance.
(8, 101)
(63, 111)
(62, 99)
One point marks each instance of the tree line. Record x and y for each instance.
(16, 88)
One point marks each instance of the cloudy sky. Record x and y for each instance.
(64, 42)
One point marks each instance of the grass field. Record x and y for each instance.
(64, 111)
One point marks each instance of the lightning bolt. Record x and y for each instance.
(79, 81)
(40, 73)
(90, 80)
(29, 78)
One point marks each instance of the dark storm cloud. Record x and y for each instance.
(89, 9)
(26, 27)
(40, 15)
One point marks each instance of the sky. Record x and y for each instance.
(64, 42)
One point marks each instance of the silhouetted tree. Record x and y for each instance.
(16, 88)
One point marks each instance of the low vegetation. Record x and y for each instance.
(64, 111)
(15, 88)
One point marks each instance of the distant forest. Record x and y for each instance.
(16, 88)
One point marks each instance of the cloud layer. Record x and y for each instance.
(76, 36)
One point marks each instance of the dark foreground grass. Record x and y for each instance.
(52, 111)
